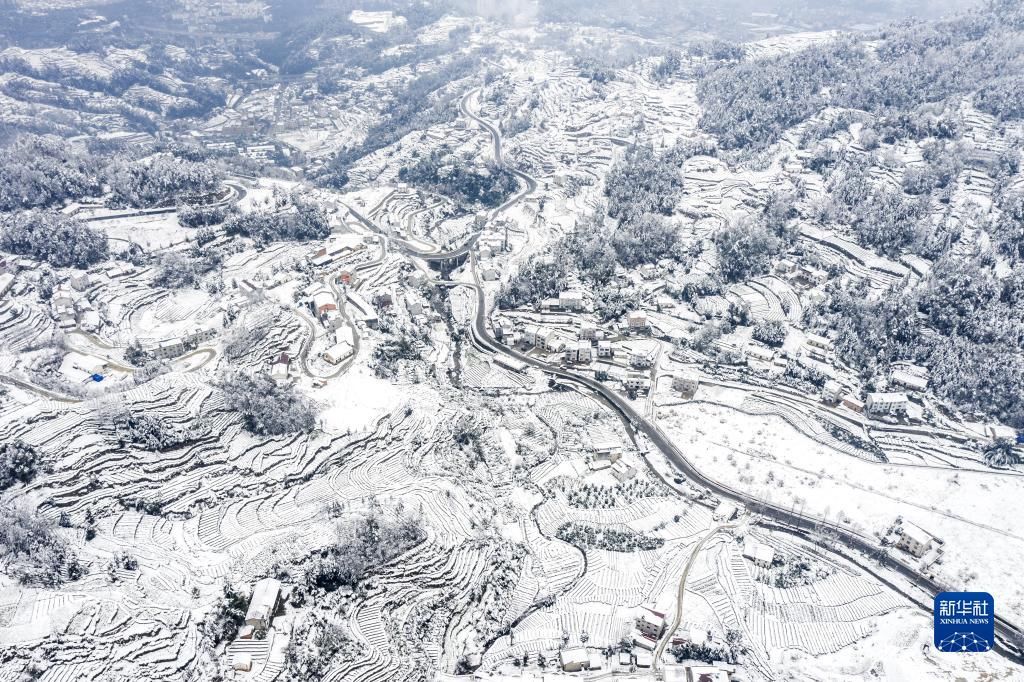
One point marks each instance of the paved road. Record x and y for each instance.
(467, 246)
(495, 135)
(39, 390)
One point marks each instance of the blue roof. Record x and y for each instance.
(97, 377)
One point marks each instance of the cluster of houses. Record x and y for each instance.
(179, 345)
(648, 627)
(607, 455)
(338, 247)
(800, 275)
(343, 346)
(882, 404)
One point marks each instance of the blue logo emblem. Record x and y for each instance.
(964, 621)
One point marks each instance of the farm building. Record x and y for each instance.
(622, 471)
(725, 511)
(573, 660)
(761, 554)
(908, 380)
(338, 352)
(263, 603)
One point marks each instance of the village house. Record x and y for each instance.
(530, 334)
(831, 392)
(908, 380)
(879, 404)
(686, 383)
(637, 321)
(853, 403)
(635, 381)
(363, 311)
(582, 351)
(79, 281)
(603, 371)
(821, 342)
(607, 450)
(262, 605)
(642, 358)
(571, 300)
(650, 623)
(573, 660)
(337, 353)
(725, 511)
(279, 371)
(604, 349)
(252, 292)
(758, 552)
(168, 348)
(914, 540)
(323, 302)
(622, 471)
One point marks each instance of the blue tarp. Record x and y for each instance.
(97, 377)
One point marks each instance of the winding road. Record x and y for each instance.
(681, 592)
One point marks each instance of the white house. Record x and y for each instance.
(725, 511)
(686, 383)
(622, 471)
(604, 349)
(761, 554)
(914, 539)
(573, 660)
(265, 595)
(831, 392)
(886, 403)
(650, 623)
(583, 351)
(909, 380)
(637, 320)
